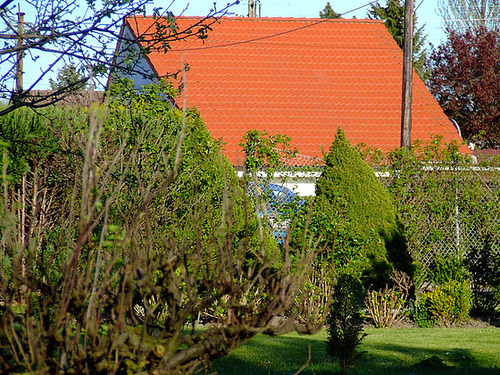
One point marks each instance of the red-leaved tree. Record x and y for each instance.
(465, 79)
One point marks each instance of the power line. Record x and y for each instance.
(271, 35)
(358, 8)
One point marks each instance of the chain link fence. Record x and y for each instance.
(446, 209)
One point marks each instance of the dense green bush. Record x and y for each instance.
(203, 174)
(483, 263)
(29, 138)
(343, 246)
(345, 321)
(446, 304)
(449, 205)
(355, 214)
(449, 298)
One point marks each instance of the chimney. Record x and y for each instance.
(254, 8)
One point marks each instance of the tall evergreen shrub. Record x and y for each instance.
(349, 187)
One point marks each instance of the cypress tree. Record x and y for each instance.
(350, 187)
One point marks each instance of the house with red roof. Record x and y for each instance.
(295, 76)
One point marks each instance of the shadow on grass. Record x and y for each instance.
(397, 359)
(285, 355)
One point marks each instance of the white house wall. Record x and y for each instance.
(301, 183)
(304, 189)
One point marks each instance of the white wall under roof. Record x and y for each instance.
(304, 189)
(301, 183)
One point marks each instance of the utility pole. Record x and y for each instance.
(407, 76)
(20, 42)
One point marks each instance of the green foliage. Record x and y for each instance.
(449, 299)
(434, 190)
(349, 189)
(345, 321)
(264, 150)
(446, 304)
(69, 78)
(328, 12)
(42, 135)
(266, 155)
(448, 205)
(447, 268)
(344, 246)
(108, 259)
(203, 173)
(483, 263)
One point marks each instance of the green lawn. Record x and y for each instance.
(388, 351)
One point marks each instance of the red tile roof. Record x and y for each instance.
(299, 77)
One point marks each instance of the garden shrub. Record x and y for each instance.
(345, 321)
(203, 175)
(32, 138)
(343, 246)
(386, 306)
(446, 304)
(449, 299)
(448, 204)
(447, 268)
(359, 214)
(483, 263)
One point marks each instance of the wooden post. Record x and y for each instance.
(20, 42)
(407, 76)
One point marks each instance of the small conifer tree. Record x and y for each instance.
(345, 321)
(69, 78)
(350, 187)
(328, 12)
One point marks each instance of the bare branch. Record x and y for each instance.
(59, 29)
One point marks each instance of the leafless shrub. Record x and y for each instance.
(385, 306)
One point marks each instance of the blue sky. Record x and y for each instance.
(426, 13)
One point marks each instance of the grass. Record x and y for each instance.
(417, 351)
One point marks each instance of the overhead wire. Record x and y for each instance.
(252, 40)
